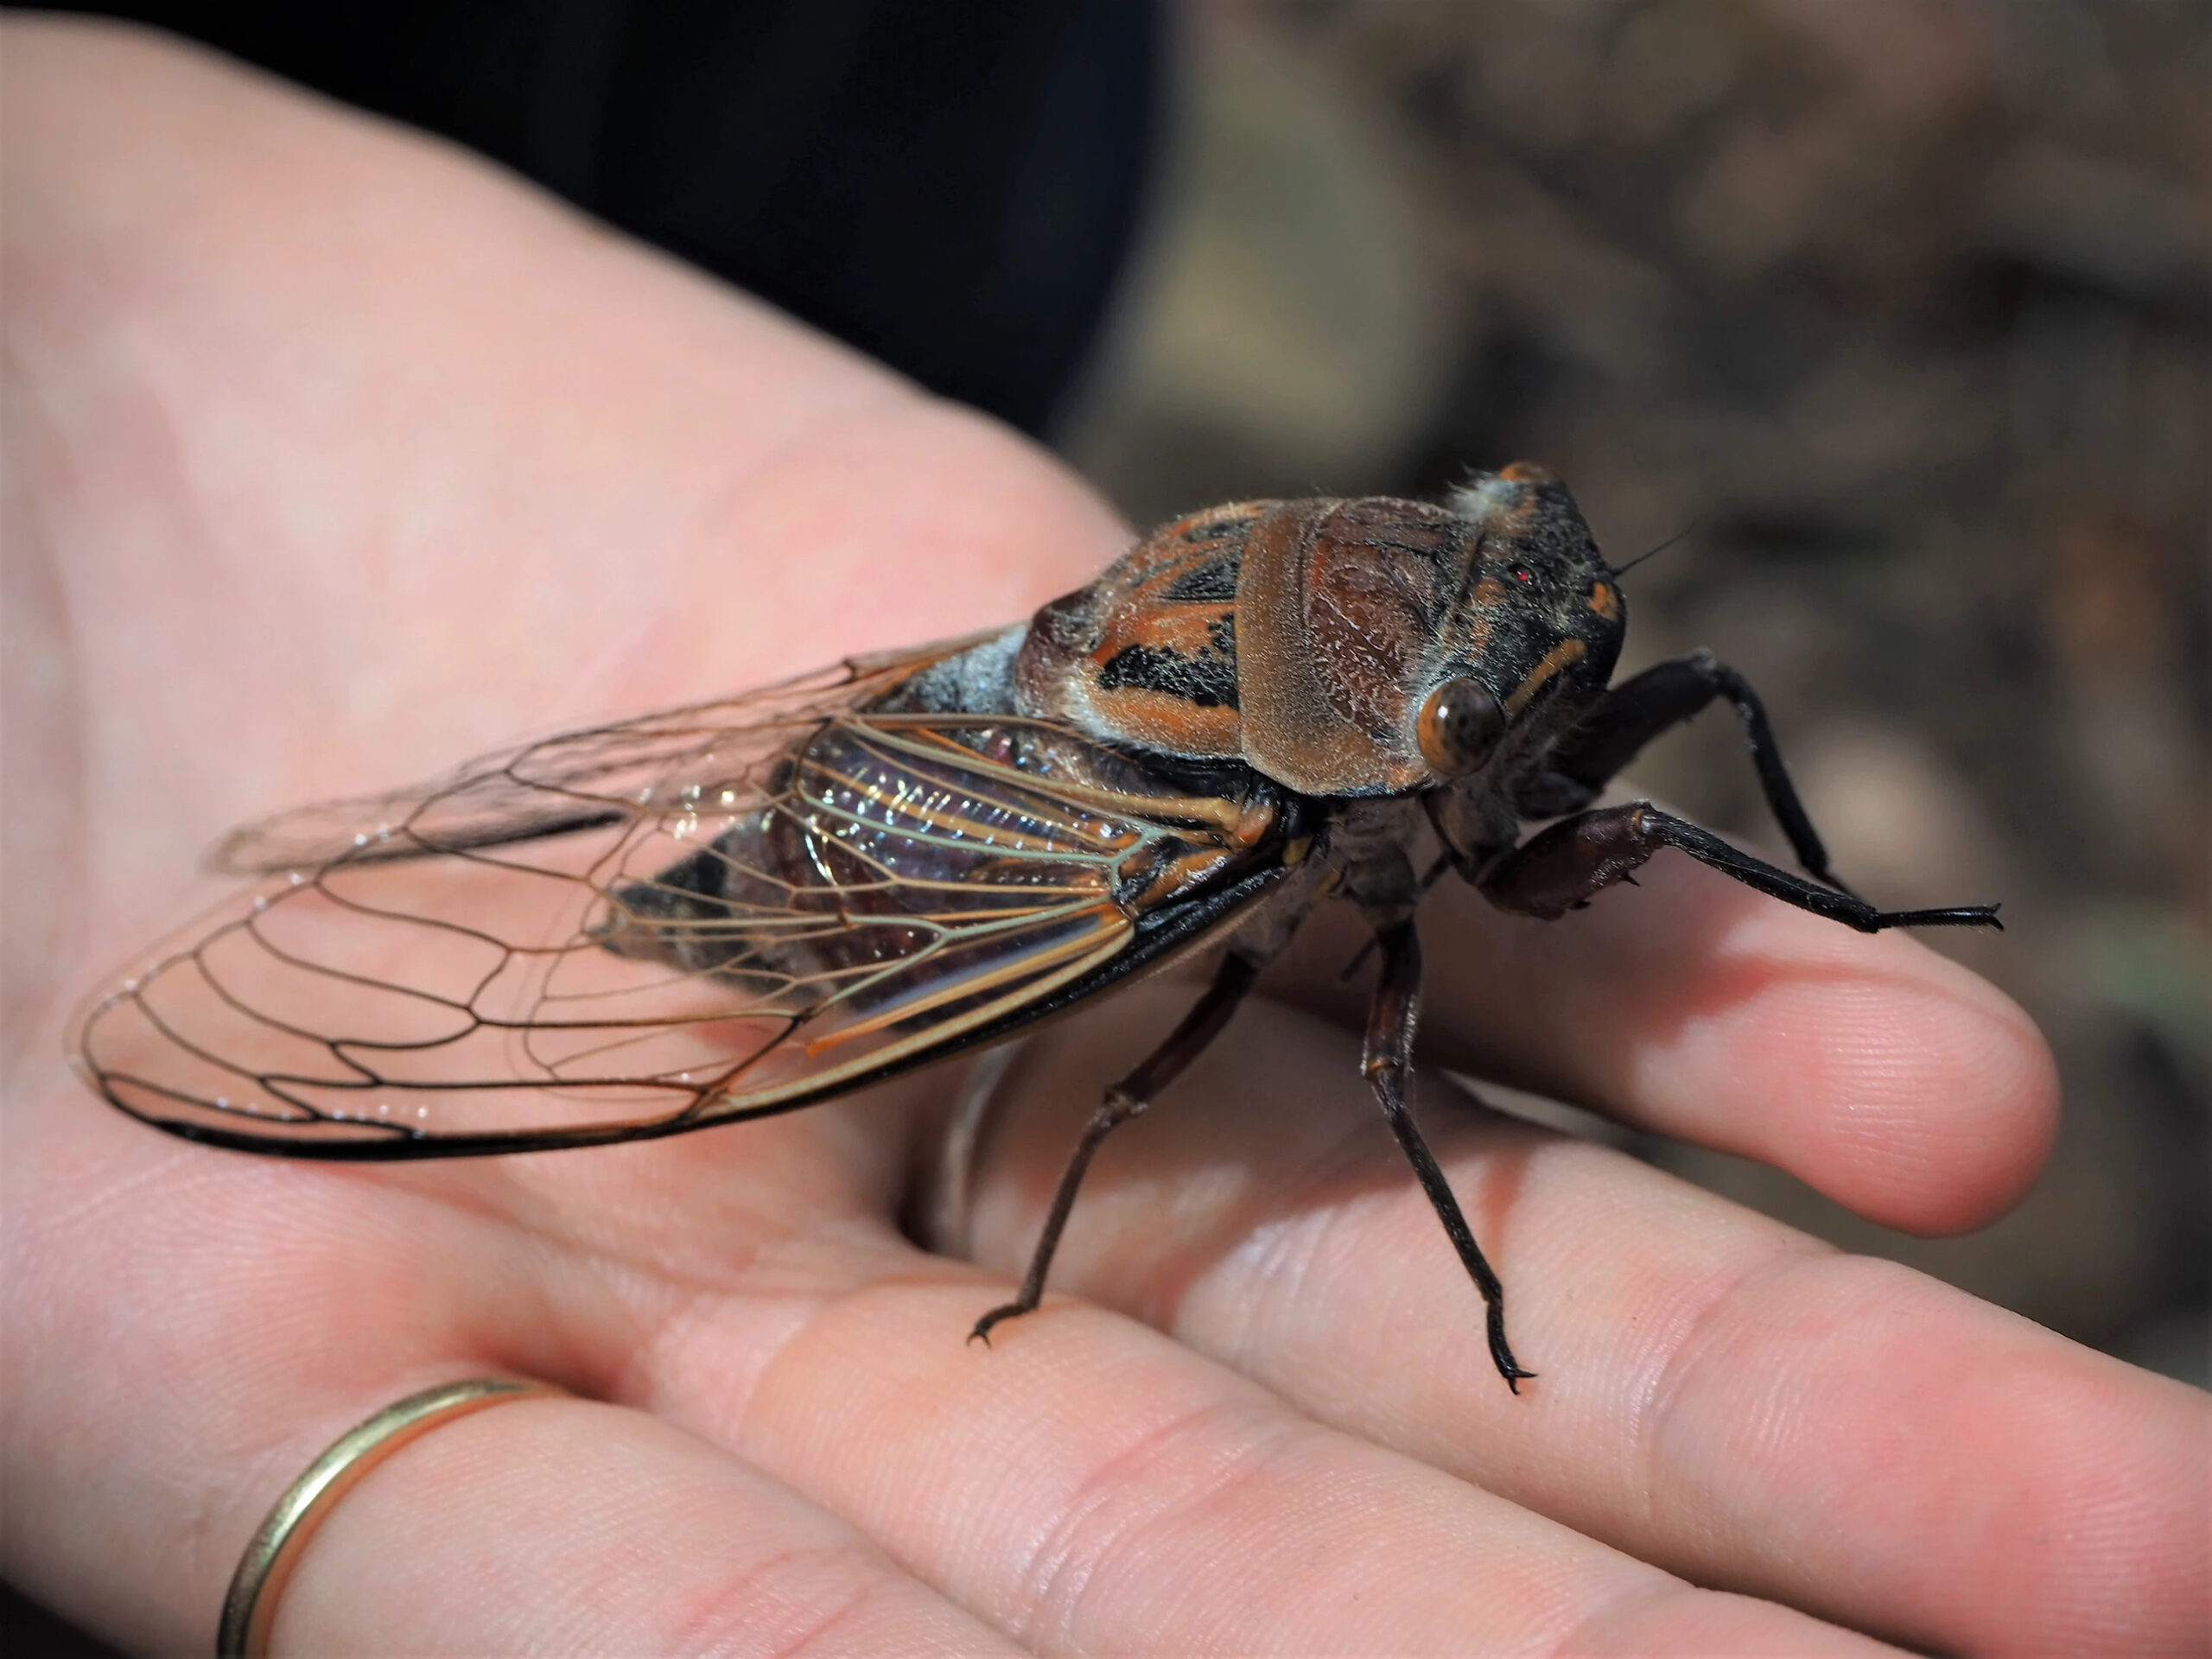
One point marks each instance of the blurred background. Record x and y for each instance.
(1901, 304)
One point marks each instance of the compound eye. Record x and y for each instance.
(1459, 726)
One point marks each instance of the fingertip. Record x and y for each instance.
(1992, 1127)
(1908, 1088)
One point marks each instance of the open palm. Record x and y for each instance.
(335, 457)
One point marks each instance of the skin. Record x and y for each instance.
(334, 456)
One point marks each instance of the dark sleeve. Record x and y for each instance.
(950, 188)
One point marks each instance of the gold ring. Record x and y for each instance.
(251, 1607)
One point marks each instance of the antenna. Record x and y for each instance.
(1623, 569)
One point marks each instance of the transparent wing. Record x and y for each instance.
(575, 781)
(703, 915)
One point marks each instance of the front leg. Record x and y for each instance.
(1641, 707)
(1388, 1063)
(1561, 868)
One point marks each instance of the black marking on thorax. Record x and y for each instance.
(1206, 678)
(1212, 582)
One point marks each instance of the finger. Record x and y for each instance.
(1893, 1080)
(204, 1324)
(1716, 1394)
(1087, 1485)
(836, 1366)
(572, 1527)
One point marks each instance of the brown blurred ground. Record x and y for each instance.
(1905, 303)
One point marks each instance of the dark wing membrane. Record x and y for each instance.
(722, 921)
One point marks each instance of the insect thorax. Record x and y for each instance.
(1304, 637)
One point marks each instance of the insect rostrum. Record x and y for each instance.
(744, 906)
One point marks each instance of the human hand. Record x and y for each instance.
(335, 458)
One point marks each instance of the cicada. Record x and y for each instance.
(744, 906)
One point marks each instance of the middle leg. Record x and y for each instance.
(1389, 1064)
